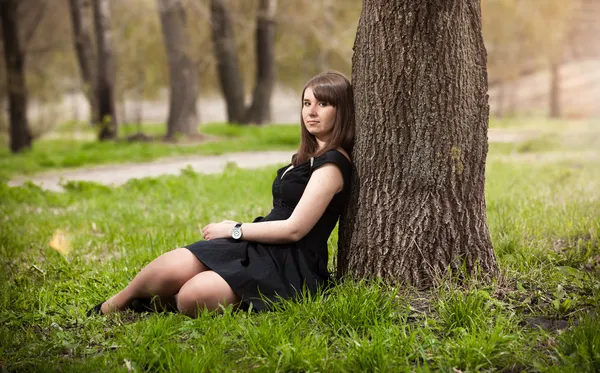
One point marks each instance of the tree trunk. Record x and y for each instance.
(20, 136)
(554, 90)
(259, 111)
(183, 118)
(228, 66)
(420, 80)
(82, 37)
(105, 84)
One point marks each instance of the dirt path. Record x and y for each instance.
(118, 174)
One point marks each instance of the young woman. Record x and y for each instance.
(276, 256)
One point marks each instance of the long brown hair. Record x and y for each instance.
(335, 89)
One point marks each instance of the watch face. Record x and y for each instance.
(236, 233)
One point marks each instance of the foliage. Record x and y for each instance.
(518, 37)
(541, 314)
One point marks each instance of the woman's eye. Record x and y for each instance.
(323, 104)
(306, 103)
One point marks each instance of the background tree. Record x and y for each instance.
(143, 69)
(183, 118)
(81, 18)
(20, 136)
(421, 145)
(549, 43)
(525, 46)
(105, 85)
(226, 54)
(259, 111)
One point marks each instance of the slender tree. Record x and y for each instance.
(183, 117)
(554, 95)
(81, 18)
(228, 66)
(419, 74)
(259, 111)
(105, 84)
(20, 135)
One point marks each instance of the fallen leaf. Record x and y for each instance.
(60, 242)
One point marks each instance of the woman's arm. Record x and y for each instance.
(322, 186)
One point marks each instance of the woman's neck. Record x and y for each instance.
(320, 144)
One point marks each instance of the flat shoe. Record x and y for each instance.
(140, 305)
(96, 310)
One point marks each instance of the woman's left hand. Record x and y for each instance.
(218, 230)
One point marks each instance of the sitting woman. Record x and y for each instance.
(276, 256)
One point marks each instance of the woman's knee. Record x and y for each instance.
(182, 262)
(172, 270)
(206, 290)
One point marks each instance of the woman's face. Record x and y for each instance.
(318, 116)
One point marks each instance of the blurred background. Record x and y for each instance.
(543, 55)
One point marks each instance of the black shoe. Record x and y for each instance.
(96, 310)
(140, 305)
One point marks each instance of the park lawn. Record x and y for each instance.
(541, 314)
(69, 151)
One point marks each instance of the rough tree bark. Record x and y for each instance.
(228, 66)
(259, 111)
(420, 80)
(81, 11)
(105, 84)
(20, 136)
(183, 75)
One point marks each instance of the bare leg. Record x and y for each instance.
(163, 277)
(205, 290)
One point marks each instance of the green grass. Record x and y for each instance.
(541, 313)
(69, 152)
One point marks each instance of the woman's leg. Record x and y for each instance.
(163, 277)
(205, 290)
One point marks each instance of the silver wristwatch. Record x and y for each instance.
(236, 232)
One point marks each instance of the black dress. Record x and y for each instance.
(254, 270)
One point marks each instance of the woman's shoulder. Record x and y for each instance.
(338, 157)
(336, 154)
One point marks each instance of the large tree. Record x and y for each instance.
(81, 18)
(183, 75)
(20, 135)
(228, 67)
(419, 74)
(105, 83)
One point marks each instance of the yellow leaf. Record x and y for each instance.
(60, 242)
